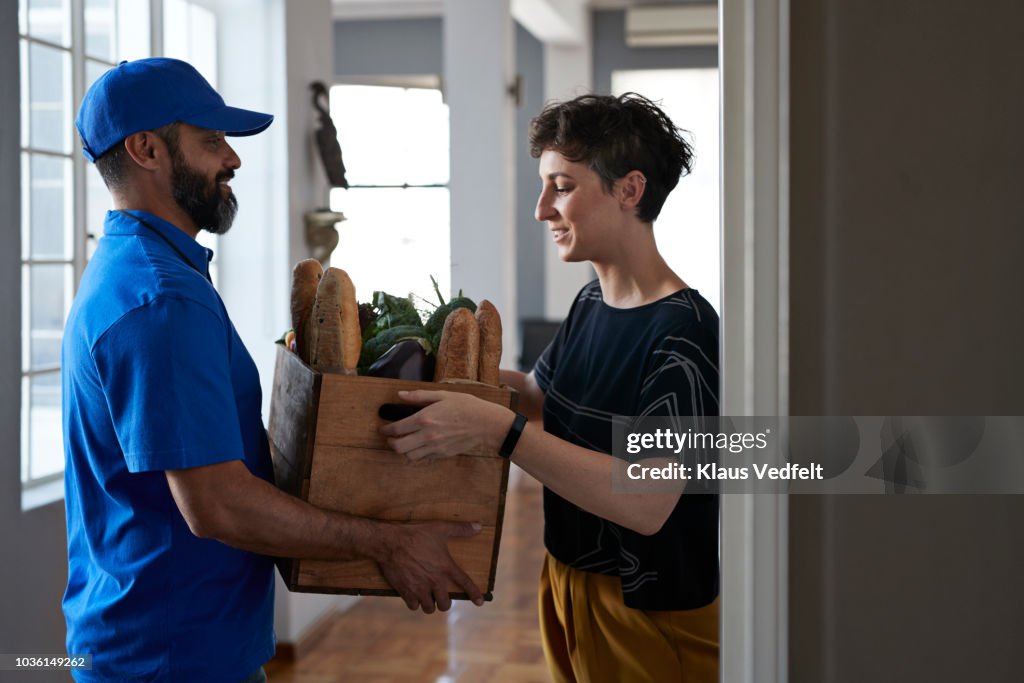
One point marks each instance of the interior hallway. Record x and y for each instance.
(380, 641)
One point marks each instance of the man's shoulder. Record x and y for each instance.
(130, 278)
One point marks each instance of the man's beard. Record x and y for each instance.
(205, 205)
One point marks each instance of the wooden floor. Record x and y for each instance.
(380, 641)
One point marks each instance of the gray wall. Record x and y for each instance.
(906, 240)
(33, 573)
(531, 236)
(415, 47)
(611, 52)
(387, 47)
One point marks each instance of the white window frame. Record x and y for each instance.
(39, 491)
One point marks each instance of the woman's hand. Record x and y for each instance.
(449, 424)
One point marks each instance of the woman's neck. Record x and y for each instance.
(636, 274)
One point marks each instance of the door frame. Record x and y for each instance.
(754, 68)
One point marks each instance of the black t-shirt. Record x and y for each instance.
(656, 359)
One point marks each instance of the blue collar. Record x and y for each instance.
(198, 255)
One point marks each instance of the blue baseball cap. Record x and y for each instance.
(149, 93)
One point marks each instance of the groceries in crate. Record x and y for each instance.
(386, 337)
(407, 359)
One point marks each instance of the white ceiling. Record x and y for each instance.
(394, 9)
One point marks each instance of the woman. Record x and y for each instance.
(629, 590)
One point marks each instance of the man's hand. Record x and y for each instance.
(449, 424)
(417, 564)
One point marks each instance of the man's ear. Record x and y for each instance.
(146, 149)
(630, 189)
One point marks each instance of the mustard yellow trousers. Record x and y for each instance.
(590, 636)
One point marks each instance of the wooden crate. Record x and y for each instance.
(326, 450)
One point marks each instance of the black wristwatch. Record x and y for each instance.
(514, 432)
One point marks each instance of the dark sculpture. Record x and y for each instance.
(327, 138)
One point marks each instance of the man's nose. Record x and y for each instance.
(233, 161)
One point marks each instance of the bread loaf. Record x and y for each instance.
(352, 333)
(458, 355)
(305, 280)
(489, 321)
(325, 326)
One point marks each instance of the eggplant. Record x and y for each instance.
(408, 359)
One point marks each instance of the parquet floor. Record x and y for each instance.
(380, 641)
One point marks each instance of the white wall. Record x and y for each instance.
(478, 68)
(270, 51)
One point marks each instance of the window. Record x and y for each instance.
(65, 46)
(687, 230)
(395, 145)
(190, 34)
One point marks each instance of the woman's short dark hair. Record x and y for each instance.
(613, 136)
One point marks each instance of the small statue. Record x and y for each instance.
(321, 235)
(327, 138)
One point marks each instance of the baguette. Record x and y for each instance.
(305, 280)
(352, 333)
(490, 343)
(458, 355)
(325, 325)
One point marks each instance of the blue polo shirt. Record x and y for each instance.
(155, 377)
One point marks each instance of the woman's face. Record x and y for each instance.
(582, 217)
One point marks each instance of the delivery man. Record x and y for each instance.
(171, 513)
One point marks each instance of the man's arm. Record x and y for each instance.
(225, 502)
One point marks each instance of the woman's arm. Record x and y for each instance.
(531, 398)
(456, 423)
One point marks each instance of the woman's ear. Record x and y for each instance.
(630, 189)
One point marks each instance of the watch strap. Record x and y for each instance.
(514, 432)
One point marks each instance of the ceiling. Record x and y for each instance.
(393, 9)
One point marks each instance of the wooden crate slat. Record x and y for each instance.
(350, 417)
(293, 411)
(472, 554)
(387, 485)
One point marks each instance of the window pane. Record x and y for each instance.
(99, 29)
(391, 136)
(26, 205)
(176, 29)
(50, 20)
(46, 452)
(51, 207)
(26, 423)
(26, 328)
(132, 30)
(394, 240)
(93, 70)
(23, 78)
(202, 49)
(49, 296)
(190, 33)
(50, 91)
